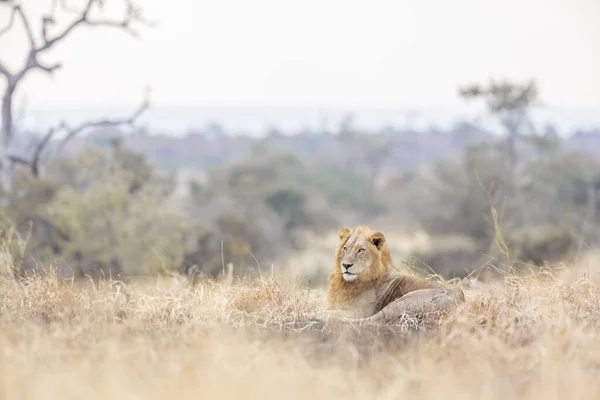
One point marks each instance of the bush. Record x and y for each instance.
(548, 197)
(101, 212)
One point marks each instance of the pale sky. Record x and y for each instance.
(391, 53)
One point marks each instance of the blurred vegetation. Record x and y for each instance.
(547, 216)
(261, 205)
(104, 209)
(101, 212)
(504, 195)
(523, 199)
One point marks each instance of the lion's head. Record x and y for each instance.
(361, 256)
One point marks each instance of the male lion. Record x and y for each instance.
(365, 286)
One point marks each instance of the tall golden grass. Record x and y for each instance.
(532, 336)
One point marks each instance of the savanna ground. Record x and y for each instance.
(527, 335)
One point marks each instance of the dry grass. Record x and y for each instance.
(532, 336)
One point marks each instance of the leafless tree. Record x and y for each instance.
(46, 40)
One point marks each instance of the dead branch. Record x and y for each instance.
(34, 163)
(132, 15)
(5, 72)
(26, 24)
(48, 43)
(48, 68)
(18, 160)
(11, 21)
(104, 123)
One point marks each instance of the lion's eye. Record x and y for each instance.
(360, 251)
(345, 248)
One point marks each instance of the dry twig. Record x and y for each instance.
(132, 15)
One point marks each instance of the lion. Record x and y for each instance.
(364, 285)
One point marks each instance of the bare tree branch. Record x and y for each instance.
(125, 25)
(5, 72)
(131, 15)
(35, 160)
(49, 68)
(18, 10)
(34, 163)
(71, 133)
(26, 24)
(18, 160)
(47, 20)
(83, 18)
(11, 21)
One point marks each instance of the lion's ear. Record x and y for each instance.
(378, 239)
(344, 233)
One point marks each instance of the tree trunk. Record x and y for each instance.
(7, 120)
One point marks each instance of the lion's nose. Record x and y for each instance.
(347, 266)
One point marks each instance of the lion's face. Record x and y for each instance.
(359, 253)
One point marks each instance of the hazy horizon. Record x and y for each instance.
(256, 120)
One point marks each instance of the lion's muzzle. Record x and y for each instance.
(346, 273)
